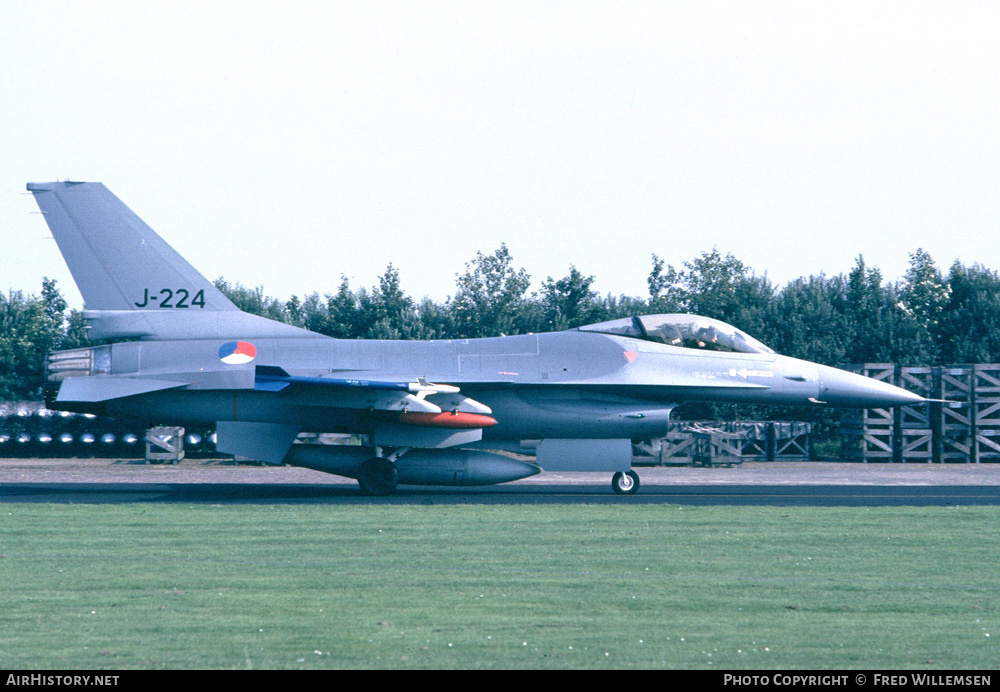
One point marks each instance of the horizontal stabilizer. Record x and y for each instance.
(106, 388)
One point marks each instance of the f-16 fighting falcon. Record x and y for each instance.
(432, 412)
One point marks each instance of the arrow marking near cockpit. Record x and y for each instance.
(744, 373)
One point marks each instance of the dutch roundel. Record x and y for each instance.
(237, 352)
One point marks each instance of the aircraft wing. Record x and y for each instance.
(399, 413)
(418, 402)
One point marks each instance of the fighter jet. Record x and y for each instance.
(446, 412)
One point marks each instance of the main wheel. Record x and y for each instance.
(378, 476)
(625, 482)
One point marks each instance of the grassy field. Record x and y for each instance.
(195, 586)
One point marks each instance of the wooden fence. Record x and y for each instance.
(963, 426)
(725, 443)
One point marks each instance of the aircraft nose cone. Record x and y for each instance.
(842, 388)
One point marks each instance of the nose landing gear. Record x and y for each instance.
(625, 482)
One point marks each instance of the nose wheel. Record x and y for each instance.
(625, 482)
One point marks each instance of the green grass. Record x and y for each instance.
(550, 586)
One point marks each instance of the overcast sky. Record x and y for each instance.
(287, 144)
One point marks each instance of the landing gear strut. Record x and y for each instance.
(378, 476)
(625, 482)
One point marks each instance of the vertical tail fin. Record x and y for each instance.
(117, 261)
(133, 283)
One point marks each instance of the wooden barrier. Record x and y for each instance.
(718, 443)
(961, 425)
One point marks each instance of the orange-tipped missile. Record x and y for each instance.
(447, 419)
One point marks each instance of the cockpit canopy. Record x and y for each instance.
(687, 331)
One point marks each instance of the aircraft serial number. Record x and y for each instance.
(171, 298)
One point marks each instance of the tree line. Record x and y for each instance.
(928, 317)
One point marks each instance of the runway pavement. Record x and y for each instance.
(98, 481)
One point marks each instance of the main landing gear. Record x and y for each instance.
(625, 482)
(378, 476)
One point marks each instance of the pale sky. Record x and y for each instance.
(287, 144)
